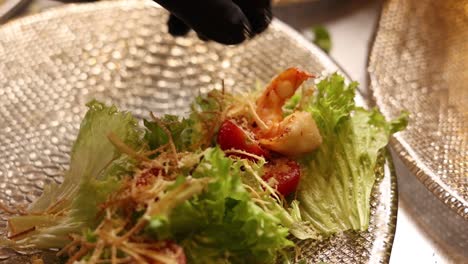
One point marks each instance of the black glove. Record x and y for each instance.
(223, 21)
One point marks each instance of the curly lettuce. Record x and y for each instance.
(223, 224)
(195, 132)
(94, 172)
(334, 192)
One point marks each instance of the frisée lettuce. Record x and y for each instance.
(223, 224)
(93, 174)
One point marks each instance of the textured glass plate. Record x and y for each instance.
(419, 62)
(51, 64)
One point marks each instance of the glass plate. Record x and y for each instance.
(419, 62)
(52, 63)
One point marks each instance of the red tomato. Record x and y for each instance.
(284, 174)
(231, 136)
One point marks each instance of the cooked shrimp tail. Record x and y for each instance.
(280, 89)
(294, 135)
(297, 134)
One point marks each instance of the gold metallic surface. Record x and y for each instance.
(52, 63)
(419, 62)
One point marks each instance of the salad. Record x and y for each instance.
(236, 181)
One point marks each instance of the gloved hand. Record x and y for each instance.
(223, 21)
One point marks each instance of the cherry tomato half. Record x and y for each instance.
(284, 175)
(231, 136)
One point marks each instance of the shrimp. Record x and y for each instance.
(280, 89)
(297, 133)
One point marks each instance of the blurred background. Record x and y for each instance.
(427, 230)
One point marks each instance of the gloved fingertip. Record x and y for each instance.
(202, 37)
(257, 12)
(239, 30)
(177, 27)
(218, 20)
(261, 24)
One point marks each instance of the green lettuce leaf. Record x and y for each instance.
(223, 224)
(94, 173)
(335, 190)
(189, 134)
(182, 132)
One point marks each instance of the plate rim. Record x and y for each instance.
(429, 178)
(327, 62)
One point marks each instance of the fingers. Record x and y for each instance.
(176, 26)
(258, 12)
(219, 20)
